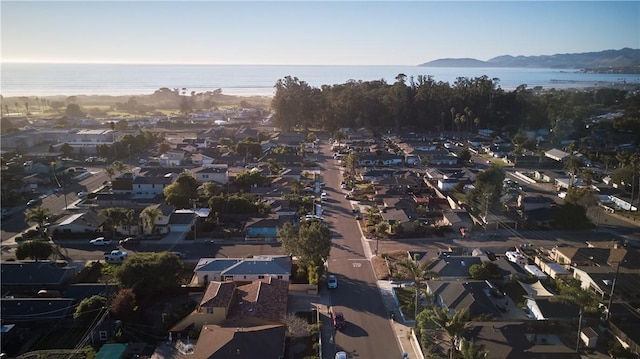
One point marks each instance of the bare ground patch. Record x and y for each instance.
(384, 264)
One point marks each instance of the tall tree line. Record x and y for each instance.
(423, 104)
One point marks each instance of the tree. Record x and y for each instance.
(452, 326)
(479, 272)
(470, 350)
(274, 166)
(147, 274)
(73, 111)
(351, 162)
(247, 179)
(40, 215)
(90, 308)
(182, 191)
(573, 165)
(311, 243)
(130, 219)
(66, 149)
(417, 273)
(339, 135)
(34, 249)
(150, 215)
(124, 303)
(163, 148)
(115, 217)
(572, 293)
(297, 327)
(212, 189)
(464, 156)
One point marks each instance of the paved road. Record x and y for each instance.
(368, 333)
(56, 203)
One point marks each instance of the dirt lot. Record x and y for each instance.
(386, 261)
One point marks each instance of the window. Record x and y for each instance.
(209, 310)
(103, 335)
(260, 277)
(279, 277)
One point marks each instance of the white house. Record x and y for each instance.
(218, 173)
(152, 185)
(172, 158)
(243, 269)
(79, 223)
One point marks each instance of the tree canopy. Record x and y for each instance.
(36, 250)
(150, 273)
(311, 242)
(182, 191)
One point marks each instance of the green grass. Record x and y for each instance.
(406, 299)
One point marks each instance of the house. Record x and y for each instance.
(180, 221)
(530, 203)
(35, 310)
(458, 219)
(213, 308)
(152, 185)
(200, 159)
(265, 341)
(557, 155)
(265, 229)
(517, 340)
(34, 276)
(546, 309)
(384, 159)
(86, 222)
(112, 351)
(264, 299)
(242, 269)
(398, 217)
(172, 158)
(453, 266)
(87, 141)
(161, 223)
(455, 296)
(211, 173)
(600, 281)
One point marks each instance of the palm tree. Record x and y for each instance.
(130, 219)
(418, 273)
(453, 326)
(110, 172)
(150, 215)
(39, 215)
(573, 165)
(469, 350)
(572, 293)
(115, 216)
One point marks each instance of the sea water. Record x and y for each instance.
(39, 79)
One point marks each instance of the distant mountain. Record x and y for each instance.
(588, 60)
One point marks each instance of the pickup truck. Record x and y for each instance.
(115, 256)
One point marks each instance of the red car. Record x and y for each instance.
(338, 320)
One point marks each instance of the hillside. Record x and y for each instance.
(624, 58)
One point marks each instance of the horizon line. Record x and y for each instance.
(179, 63)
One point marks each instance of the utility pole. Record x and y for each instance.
(195, 214)
(613, 287)
(486, 209)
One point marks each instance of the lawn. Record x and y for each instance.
(406, 299)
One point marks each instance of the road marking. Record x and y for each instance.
(357, 265)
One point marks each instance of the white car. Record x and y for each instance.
(324, 196)
(332, 281)
(310, 217)
(100, 241)
(82, 194)
(341, 355)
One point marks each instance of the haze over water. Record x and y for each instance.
(39, 79)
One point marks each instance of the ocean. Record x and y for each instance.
(39, 79)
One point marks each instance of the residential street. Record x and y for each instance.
(368, 333)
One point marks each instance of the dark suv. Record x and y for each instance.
(338, 320)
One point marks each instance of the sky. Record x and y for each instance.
(309, 32)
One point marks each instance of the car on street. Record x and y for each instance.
(129, 241)
(338, 320)
(324, 196)
(344, 186)
(332, 281)
(341, 355)
(82, 194)
(32, 202)
(100, 241)
(311, 217)
(502, 308)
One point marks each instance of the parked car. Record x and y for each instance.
(324, 196)
(82, 194)
(33, 202)
(344, 186)
(132, 241)
(332, 281)
(311, 217)
(100, 241)
(338, 320)
(341, 355)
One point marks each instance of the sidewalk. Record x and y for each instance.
(402, 327)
